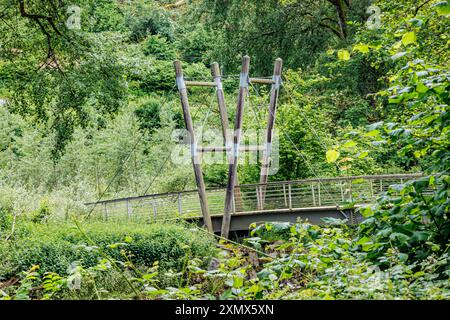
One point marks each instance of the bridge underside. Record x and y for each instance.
(242, 221)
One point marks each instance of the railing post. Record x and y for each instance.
(318, 192)
(290, 196)
(342, 191)
(371, 189)
(284, 194)
(381, 185)
(180, 209)
(129, 209)
(258, 200)
(154, 209)
(313, 194)
(106, 212)
(351, 190)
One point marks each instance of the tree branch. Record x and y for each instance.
(335, 31)
(420, 7)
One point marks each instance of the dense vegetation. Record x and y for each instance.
(88, 104)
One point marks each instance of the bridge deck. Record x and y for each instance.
(274, 201)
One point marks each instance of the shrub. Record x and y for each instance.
(54, 247)
(160, 48)
(148, 115)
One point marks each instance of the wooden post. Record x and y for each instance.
(215, 72)
(284, 194)
(194, 154)
(232, 172)
(270, 125)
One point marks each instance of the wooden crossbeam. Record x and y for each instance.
(200, 84)
(262, 81)
(228, 149)
(213, 84)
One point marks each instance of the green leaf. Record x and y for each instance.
(421, 88)
(420, 236)
(442, 8)
(343, 55)
(409, 38)
(349, 144)
(366, 211)
(400, 237)
(421, 184)
(373, 133)
(363, 155)
(403, 257)
(332, 156)
(363, 48)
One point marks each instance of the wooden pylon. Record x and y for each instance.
(232, 170)
(194, 152)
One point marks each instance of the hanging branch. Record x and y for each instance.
(38, 18)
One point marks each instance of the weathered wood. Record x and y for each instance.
(194, 154)
(262, 81)
(229, 149)
(265, 165)
(215, 72)
(232, 172)
(200, 84)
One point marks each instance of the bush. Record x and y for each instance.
(148, 115)
(160, 48)
(54, 247)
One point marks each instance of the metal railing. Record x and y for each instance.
(273, 196)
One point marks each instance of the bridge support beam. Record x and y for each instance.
(194, 153)
(269, 134)
(215, 72)
(232, 170)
